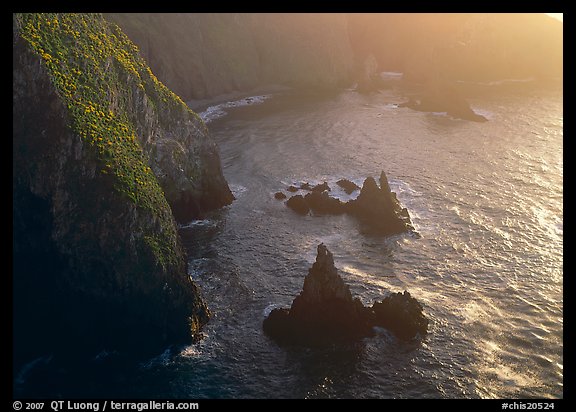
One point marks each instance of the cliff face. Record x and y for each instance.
(101, 152)
(204, 55)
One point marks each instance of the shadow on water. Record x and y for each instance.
(327, 372)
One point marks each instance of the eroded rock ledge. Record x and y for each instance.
(325, 311)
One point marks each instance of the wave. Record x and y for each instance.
(22, 375)
(237, 190)
(498, 82)
(197, 223)
(216, 112)
(161, 360)
(391, 75)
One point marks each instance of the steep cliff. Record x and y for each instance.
(101, 151)
(204, 55)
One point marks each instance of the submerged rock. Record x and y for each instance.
(348, 186)
(325, 311)
(292, 189)
(279, 196)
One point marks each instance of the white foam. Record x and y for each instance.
(103, 355)
(499, 82)
(268, 309)
(391, 75)
(486, 113)
(237, 190)
(197, 223)
(215, 112)
(21, 378)
(190, 351)
(161, 360)
(197, 267)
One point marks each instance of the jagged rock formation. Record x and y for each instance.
(102, 151)
(325, 311)
(377, 208)
(205, 55)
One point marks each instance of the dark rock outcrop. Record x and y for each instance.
(443, 97)
(279, 196)
(348, 186)
(306, 186)
(321, 187)
(102, 155)
(401, 314)
(292, 189)
(298, 204)
(325, 311)
(322, 203)
(379, 209)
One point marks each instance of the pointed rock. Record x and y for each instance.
(325, 311)
(379, 209)
(323, 283)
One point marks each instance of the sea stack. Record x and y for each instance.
(325, 311)
(379, 209)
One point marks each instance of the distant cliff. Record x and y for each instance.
(460, 46)
(204, 55)
(101, 153)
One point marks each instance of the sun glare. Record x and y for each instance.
(557, 16)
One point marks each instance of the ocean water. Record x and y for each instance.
(485, 198)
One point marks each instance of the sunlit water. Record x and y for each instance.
(486, 199)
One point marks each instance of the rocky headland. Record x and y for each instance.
(105, 160)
